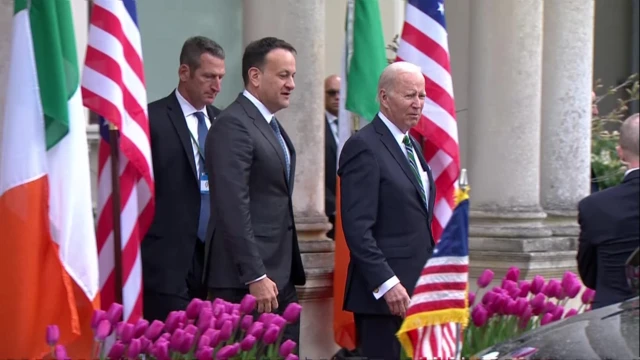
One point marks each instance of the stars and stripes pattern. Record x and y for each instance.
(113, 86)
(443, 283)
(424, 43)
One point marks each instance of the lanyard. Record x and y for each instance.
(197, 145)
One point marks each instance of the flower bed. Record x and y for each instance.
(206, 330)
(518, 306)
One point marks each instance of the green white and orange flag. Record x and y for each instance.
(48, 266)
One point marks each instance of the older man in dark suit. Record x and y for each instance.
(173, 248)
(331, 107)
(610, 225)
(387, 195)
(254, 246)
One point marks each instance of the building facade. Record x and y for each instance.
(523, 72)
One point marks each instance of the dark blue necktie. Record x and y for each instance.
(276, 131)
(204, 198)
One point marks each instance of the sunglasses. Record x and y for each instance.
(333, 92)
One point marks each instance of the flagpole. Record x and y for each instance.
(115, 207)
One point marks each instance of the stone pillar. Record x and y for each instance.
(301, 23)
(6, 18)
(504, 146)
(566, 111)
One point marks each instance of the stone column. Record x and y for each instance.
(6, 18)
(566, 111)
(301, 23)
(504, 142)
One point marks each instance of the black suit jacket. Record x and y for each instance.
(386, 224)
(609, 233)
(330, 168)
(252, 231)
(167, 248)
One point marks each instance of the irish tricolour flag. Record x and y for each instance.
(48, 258)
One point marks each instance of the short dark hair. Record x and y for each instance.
(256, 52)
(194, 47)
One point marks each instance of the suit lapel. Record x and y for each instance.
(329, 139)
(425, 167)
(180, 124)
(392, 145)
(261, 123)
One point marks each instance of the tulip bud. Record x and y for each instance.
(98, 315)
(53, 335)
(271, 335)
(221, 320)
(513, 274)
(573, 289)
(117, 350)
(171, 323)
(145, 344)
(292, 313)
(103, 330)
(292, 357)
(154, 330)
(570, 313)
(537, 284)
(191, 329)
(588, 295)
(235, 321)
(193, 309)
(248, 304)
(228, 351)
(134, 348)
(557, 313)
(485, 278)
(176, 339)
(525, 287)
(471, 298)
(256, 329)
(203, 341)
(127, 333)
(61, 353)
(287, 348)
(114, 314)
(187, 343)
(140, 327)
(525, 317)
(226, 330)
(546, 319)
(204, 320)
(479, 315)
(248, 343)
(205, 353)
(279, 321)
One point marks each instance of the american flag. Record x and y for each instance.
(442, 286)
(439, 306)
(113, 86)
(424, 43)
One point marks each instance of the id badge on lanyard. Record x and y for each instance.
(204, 178)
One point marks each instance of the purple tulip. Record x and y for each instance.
(171, 324)
(287, 348)
(60, 352)
(509, 284)
(514, 291)
(292, 313)
(271, 335)
(479, 315)
(114, 314)
(96, 317)
(557, 313)
(553, 289)
(103, 330)
(546, 319)
(127, 333)
(166, 336)
(206, 305)
(226, 330)
(489, 298)
(145, 344)
(513, 274)
(266, 318)
(538, 303)
(191, 329)
(205, 353)
(218, 309)
(246, 322)
(187, 343)
(521, 305)
(550, 307)
(567, 279)
(292, 357)
(134, 349)
(53, 335)
(248, 304)
(525, 287)
(235, 321)
(279, 321)
(256, 329)
(154, 330)
(485, 278)
(221, 320)
(140, 327)
(510, 307)
(588, 295)
(228, 351)
(117, 350)
(471, 298)
(193, 309)
(537, 284)
(573, 289)
(570, 313)
(204, 320)
(524, 318)
(215, 338)
(203, 341)
(248, 343)
(176, 339)
(161, 351)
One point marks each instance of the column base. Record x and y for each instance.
(564, 224)
(519, 237)
(316, 296)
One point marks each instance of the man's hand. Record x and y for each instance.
(398, 300)
(266, 293)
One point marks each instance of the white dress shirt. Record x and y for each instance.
(629, 171)
(333, 124)
(399, 136)
(267, 115)
(192, 123)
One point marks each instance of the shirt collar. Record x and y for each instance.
(330, 117)
(630, 171)
(268, 115)
(395, 131)
(187, 108)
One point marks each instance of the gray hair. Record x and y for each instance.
(630, 135)
(194, 47)
(391, 72)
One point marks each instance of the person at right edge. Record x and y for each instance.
(387, 195)
(254, 245)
